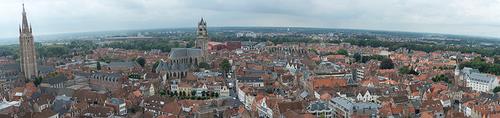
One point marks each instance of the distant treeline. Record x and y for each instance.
(52, 50)
(483, 66)
(426, 47)
(163, 45)
(364, 40)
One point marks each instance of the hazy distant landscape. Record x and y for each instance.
(95, 35)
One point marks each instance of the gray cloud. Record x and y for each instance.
(478, 17)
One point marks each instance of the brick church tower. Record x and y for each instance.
(27, 49)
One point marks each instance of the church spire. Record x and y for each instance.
(202, 22)
(25, 25)
(27, 48)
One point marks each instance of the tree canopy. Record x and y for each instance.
(496, 89)
(386, 64)
(441, 77)
(163, 45)
(37, 81)
(98, 66)
(153, 69)
(342, 52)
(407, 70)
(141, 61)
(482, 66)
(204, 65)
(225, 65)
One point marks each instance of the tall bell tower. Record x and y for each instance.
(27, 48)
(202, 37)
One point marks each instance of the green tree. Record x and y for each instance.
(52, 50)
(225, 66)
(386, 64)
(163, 93)
(98, 66)
(203, 93)
(212, 94)
(342, 52)
(496, 89)
(204, 65)
(155, 65)
(357, 57)
(482, 66)
(190, 44)
(141, 61)
(176, 93)
(407, 70)
(38, 81)
(497, 59)
(441, 77)
(183, 93)
(193, 93)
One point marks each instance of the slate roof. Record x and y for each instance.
(61, 104)
(15, 66)
(318, 106)
(45, 69)
(8, 78)
(352, 106)
(304, 94)
(348, 105)
(83, 74)
(206, 74)
(481, 77)
(250, 79)
(116, 101)
(55, 80)
(163, 66)
(112, 76)
(176, 53)
(127, 64)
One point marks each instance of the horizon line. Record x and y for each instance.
(306, 27)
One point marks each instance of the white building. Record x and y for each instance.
(245, 98)
(6, 104)
(478, 81)
(251, 81)
(367, 97)
(345, 108)
(264, 110)
(318, 108)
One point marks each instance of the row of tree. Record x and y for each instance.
(442, 78)
(192, 95)
(52, 50)
(482, 66)
(386, 62)
(426, 47)
(163, 45)
(407, 70)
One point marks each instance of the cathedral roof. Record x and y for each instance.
(55, 80)
(128, 64)
(10, 67)
(163, 66)
(177, 53)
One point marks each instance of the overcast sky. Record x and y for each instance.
(469, 17)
